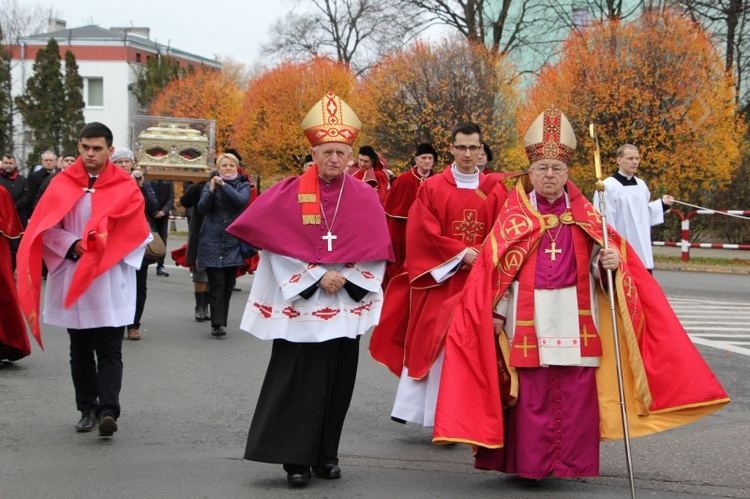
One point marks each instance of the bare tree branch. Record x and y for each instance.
(355, 32)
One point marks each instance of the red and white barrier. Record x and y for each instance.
(685, 243)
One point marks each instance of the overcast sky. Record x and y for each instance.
(234, 28)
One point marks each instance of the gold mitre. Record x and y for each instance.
(331, 120)
(550, 137)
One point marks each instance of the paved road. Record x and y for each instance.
(188, 400)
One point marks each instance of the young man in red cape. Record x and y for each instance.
(401, 196)
(529, 375)
(369, 169)
(450, 218)
(90, 227)
(14, 340)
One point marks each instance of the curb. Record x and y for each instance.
(713, 269)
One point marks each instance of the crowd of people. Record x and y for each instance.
(484, 303)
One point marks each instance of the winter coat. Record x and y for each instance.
(217, 248)
(20, 192)
(189, 199)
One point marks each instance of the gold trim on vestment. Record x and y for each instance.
(311, 219)
(446, 440)
(306, 198)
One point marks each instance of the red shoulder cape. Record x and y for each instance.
(117, 226)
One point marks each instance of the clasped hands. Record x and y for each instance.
(332, 281)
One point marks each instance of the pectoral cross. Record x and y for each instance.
(330, 237)
(554, 251)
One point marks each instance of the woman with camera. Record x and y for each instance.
(222, 200)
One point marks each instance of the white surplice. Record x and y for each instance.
(110, 299)
(275, 309)
(632, 213)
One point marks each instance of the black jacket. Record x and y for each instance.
(20, 192)
(190, 199)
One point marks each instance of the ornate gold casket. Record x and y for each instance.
(174, 148)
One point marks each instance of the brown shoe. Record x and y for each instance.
(133, 334)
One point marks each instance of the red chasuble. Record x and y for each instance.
(14, 341)
(667, 382)
(443, 222)
(401, 196)
(117, 227)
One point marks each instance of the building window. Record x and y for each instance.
(94, 92)
(138, 57)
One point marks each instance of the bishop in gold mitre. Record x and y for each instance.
(316, 290)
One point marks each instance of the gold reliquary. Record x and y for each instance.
(174, 148)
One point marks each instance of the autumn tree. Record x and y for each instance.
(658, 83)
(205, 94)
(268, 129)
(419, 93)
(151, 78)
(72, 121)
(354, 32)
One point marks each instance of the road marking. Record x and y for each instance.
(720, 324)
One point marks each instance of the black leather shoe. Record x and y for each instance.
(298, 479)
(160, 271)
(236, 289)
(87, 421)
(107, 426)
(199, 314)
(218, 331)
(328, 471)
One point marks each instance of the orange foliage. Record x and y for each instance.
(268, 133)
(418, 93)
(656, 82)
(205, 94)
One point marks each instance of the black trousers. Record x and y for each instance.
(96, 368)
(303, 403)
(14, 244)
(161, 225)
(141, 289)
(221, 280)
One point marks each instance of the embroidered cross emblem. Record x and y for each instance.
(517, 225)
(586, 335)
(525, 346)
(468, 229)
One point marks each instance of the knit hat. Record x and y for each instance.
(426, 148)
(369, 151)
(121, 153)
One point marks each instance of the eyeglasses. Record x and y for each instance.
(462, 148)
(556, 170)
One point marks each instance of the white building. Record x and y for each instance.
(107, 61)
